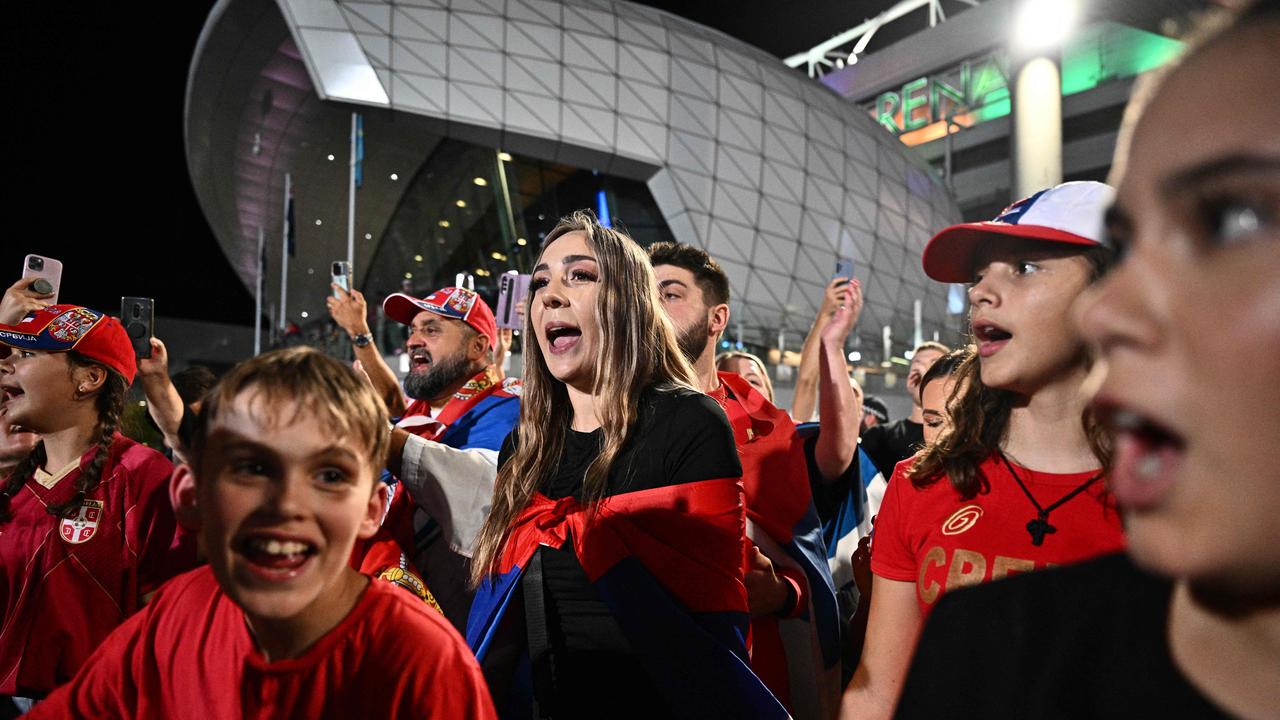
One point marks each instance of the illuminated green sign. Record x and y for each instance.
(978, 90)
(926, 100)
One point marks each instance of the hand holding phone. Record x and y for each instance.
(20, 299)
(138, 315)
(50, 270)
(342, 277)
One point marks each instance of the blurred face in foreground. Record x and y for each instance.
(1188, 326)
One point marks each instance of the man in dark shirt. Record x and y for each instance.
(890, 443)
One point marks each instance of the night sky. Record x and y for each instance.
(93, 137)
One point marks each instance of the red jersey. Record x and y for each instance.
(66, 583)
(189, 654)
(931, 537)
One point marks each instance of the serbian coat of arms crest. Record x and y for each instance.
(71, 325)
(84, 524)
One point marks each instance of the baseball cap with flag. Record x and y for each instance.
(452, 302)
(62, 328)
(1066, 214)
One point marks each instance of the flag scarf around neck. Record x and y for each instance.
(483, 386)
(783, 522)
(666, 561)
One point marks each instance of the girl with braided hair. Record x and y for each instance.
(87, 527)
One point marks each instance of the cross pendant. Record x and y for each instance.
(1038, 528)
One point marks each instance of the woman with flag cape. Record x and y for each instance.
(609, 571)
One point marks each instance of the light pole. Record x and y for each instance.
(1040, 28)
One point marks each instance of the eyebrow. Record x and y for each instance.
(665, 283)
(238, 442)
(567, 260)
(1229, 165)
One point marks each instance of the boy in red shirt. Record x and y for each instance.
(279, 625)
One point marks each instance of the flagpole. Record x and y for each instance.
(351, 198)
(257, 298)
(284, 252)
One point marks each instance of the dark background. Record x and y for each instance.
(93, 138)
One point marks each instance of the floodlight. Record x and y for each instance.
(1042, 25)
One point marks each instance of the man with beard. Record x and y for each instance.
(444, 448)
(794, 624)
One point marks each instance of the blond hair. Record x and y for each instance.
(324, 389)
(723, 359)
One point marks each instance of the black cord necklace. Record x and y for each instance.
(1039, 526)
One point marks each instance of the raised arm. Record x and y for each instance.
(163, 402)
(19, 299)
(837, 404)
(806, 397)
(350, 311)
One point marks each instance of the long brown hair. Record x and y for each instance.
(980, 421)
(109, 401)
(638, 349)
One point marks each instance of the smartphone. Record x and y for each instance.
(44, 267)
(341, 274)
(512, 289)
(138, 314)
(844, 268)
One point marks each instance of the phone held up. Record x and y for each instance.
(138, 314)
(844, 269)
(342, 277)
(512, 289)
(46, 268)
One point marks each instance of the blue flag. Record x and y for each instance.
(359, 150)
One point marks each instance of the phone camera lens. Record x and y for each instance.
(36, 263)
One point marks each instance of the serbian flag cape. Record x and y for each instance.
(797, 656)
(667, 563)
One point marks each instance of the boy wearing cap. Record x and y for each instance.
(285, 457)
(445, 447)
(87, 531)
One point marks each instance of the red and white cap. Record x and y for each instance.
(1067, 214)
(60, 328)
(452, 302)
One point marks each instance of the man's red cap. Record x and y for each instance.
(61, 328)
(452, 302)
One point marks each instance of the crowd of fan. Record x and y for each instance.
(634, 529)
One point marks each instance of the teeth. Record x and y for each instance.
(276, 547)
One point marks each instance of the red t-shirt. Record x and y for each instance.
(66, 583)
(931, 537)
(189, 654)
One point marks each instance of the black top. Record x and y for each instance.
(1082, 641)
(891, 443)
(680, 437)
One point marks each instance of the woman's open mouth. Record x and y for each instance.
(562, 337)
(1146, 460)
